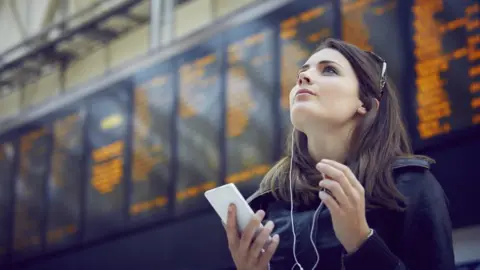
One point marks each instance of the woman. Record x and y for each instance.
(350, 153)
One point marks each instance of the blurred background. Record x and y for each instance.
(116, 116)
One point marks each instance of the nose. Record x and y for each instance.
(303, 79)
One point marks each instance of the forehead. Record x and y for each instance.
(329, 55)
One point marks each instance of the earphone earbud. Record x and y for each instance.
(314, 219)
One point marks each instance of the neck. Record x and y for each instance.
(330, 145)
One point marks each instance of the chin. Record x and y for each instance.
(303, 114)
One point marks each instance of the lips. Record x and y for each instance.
(305, 91)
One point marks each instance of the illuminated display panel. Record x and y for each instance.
(7, 163)
(65, 181)
(107, 131)
(446, 37)
(250, 95)
(30, 191)
(306, 24)
(374, 25)
(152, 120)
(199, 122)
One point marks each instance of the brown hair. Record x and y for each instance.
(376, 142)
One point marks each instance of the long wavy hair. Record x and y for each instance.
(376, 142)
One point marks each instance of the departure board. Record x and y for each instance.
(250, 109)
(7, 163)
(107, 131)
(199, 123)
(306, 24)
(374, 25)
(35, 148)
(446, 37)
(66, 180)
(152, 119)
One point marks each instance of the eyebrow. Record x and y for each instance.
(321, 63)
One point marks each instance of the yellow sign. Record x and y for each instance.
(248, 174)
(194, 191)
(111, 121)
(239, 102)
(193, 77)
(147, 206)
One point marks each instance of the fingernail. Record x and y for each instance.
(269, 224)
(230, 208)
(261, 213)
(276, 238)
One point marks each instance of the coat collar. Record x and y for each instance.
(399, 163)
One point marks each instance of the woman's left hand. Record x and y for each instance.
(347, 206)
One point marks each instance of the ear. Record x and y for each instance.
(362, 110)
(377, 102)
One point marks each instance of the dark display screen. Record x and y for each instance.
(446, 37)
(250, 107)
(7, 163)
(375, 26)
(152, 134)
(35, 150)
(199, 123)
(107, 131)
(305, 24)
(65, 181)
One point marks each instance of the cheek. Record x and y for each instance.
(291, 95)
(340, 97)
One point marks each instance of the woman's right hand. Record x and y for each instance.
(248, 251)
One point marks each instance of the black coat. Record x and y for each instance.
(418, 238)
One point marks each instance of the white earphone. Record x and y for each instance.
(314, 219)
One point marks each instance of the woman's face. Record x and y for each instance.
(326, 92)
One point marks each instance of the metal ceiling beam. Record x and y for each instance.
(156, 10)
(49, 14)
(93, 30)
(168, 21)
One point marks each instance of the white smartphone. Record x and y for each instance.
(221, 197)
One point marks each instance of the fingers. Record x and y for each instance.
(329, 201)
(250, 230)
(347, 172)
(261, 240)
(272, 247)
(241, 247)
(338, 176)
(336, 190)
(231, 227)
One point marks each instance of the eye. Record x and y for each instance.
(329, 70)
